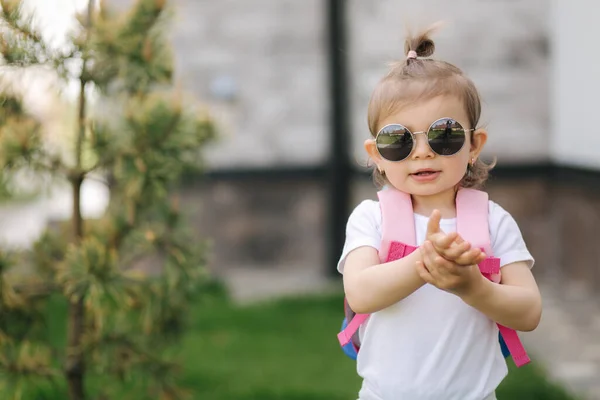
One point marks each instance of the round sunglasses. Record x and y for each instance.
(446, 137)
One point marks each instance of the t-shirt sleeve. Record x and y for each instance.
(507, 241)
(363, 229)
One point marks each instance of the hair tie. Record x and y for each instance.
(411, 54)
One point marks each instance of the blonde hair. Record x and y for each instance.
(417, 78)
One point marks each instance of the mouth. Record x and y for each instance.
(425, 172)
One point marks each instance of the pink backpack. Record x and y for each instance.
(398, 240)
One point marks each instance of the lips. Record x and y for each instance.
(424, 172)
(425, 175)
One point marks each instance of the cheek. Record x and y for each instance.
(394, 172)
(394, 168)
(462, 157)
(458, 165)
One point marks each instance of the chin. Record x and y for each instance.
(426, 191)
(431, 189)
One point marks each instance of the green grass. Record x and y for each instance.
(287, 350)
(283, 350)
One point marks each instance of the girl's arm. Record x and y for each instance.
(516, 303)
(371, 286)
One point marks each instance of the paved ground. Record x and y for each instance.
(250, 285)
(568, 339)
(567, 342)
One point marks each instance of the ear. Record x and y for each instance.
(477, 142)
(371, 149)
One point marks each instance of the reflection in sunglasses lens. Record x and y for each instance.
(446, 137)
(394, 143)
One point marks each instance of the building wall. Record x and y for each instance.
(576, 84)
(501, 45)
(262, 68)
(261, 65)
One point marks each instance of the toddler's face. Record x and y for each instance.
(423, 172)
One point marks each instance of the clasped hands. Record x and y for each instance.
(448, 262)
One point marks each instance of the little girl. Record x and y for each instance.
(432, 331)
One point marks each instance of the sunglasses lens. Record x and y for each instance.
(394, 142)
(446, 137)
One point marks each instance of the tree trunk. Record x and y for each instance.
(75, 358)
(75, 366)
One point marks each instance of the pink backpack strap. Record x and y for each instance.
(514, 345)
(472, 224)
(397, 221)
(472, 218)
(345, 336)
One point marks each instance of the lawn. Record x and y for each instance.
(281, 350)
(287, 350)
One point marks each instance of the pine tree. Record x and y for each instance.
(122, 283)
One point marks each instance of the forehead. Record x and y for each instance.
(418, 116)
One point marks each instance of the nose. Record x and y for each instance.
(422, 149)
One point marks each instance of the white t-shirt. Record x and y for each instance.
(431, 345)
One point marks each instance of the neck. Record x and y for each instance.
(444, 202)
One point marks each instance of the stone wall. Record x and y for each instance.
(501, 45)
(260, 224)
(282, 224)
(261, 67)
(577, 211)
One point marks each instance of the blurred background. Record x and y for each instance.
(286, 84)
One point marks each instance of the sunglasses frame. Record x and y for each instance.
(414, 139)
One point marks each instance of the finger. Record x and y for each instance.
(467, 258)
(442, 241)
(443, 266)
(429, 252)
(456, 251)
(433, 225)
(424, 273)
(473, 256)
(481, 257)
(459, 239)
(436, 264)
(428, 255)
